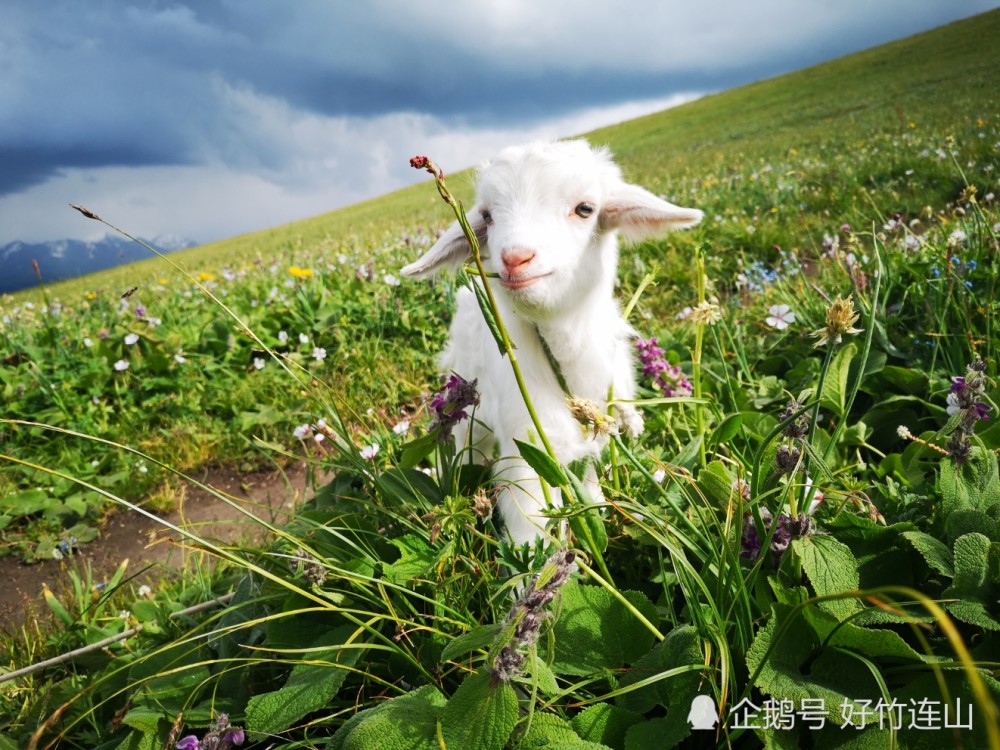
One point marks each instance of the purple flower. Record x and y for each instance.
(140, 311)
(449, 404)
(785, 530)
(188, 743)
(667, 378)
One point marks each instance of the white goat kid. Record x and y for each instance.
(547, 216)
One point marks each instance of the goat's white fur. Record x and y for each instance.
(557, 272)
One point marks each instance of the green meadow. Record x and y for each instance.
(807, 533)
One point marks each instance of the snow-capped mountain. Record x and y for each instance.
(66, 259)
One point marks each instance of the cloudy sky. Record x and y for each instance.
(207, 118)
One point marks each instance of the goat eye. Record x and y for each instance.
(584, 210)
(487, 217)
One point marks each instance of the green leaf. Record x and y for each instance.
(832, 569)
(143, 719)
(479, 638)
(542, 463)
(481, 714)
(416, 558)
(606, 724)
(726, 430)
(308, 688)
(834, 396)
(546, 730)
(716, 483)
(659, 733)
(935, 552)
(976, 581)
(408, 722)
(594, 632)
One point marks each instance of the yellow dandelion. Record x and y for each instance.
(300, 273)
(206, 276)
(840, 319)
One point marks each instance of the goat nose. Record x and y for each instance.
(515, 257)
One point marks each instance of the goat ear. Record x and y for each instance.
(638, 214)
(450, 251)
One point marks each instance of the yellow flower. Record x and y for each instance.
(206, 276)
(300, 273)
(840, 319)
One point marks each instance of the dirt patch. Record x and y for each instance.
(151, 547)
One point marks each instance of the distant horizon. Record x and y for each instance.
(211, 120)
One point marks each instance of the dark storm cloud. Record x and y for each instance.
(292, 93)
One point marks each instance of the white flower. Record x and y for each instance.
(143, 469)
(87, 342)
(319, 437)
(258, 363)
(145, 590)
(303, 338)
(282, 336)
(401, 428)
(957, 238)
(780, 317)
(369, 451)
(124, 614)
(684, 314)
(952, 400)
(131, 338)
(302, 431)
(179, 357)
(121, 365)
(319, 353)
(659, 475)
(390, 280)
(321, 423)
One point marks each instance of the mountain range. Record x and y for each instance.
(66, 259)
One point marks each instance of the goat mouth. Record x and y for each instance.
(520, 282)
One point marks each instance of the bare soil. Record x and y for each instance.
(151, 548)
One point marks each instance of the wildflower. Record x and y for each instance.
(667, 378)
(707, 313)
(659, 475)
(965, 398)
(369, 452)
(258, 363)
(450, 403)
(222, 736)
(145, 591)
(785, 529)
(131, 338)
(87, 342)
(300, 273)
(179, 357)
(282, 337)
(780, 317)
(121, 365)
(140, 311)
(303, 338)
(840, 319)
(390, 280)
(302, 431)
(309, 567)
(956, 238)
(401, 428)
(589, 414)
(797, 428)
(319, 353)
(786, 460)
(528, 614)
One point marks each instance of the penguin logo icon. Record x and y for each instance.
(703, 714)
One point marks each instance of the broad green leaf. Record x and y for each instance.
(416, 558)
(479, 638)
(832, 569)
(935, 552)
(481, 714)
(542, 463)
(662, 732)
(795, 667)
(595, 632)
(872, 642)
(408, 722)
(726, 430)
(546, 730)
(834, 396)
(716, 484)
(308, 688)
(143, 719)
(606, 724)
